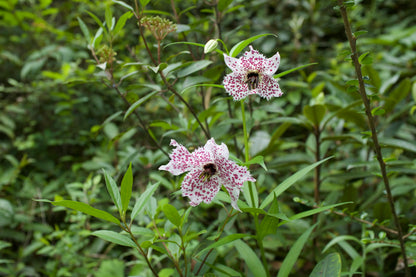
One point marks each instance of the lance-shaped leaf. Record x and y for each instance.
(222, 241)
(126, 188)
(114, 237)
(294, 253)
(250, 257)
(330, 266)
(243, 44)
(289, 182)
(143, 199)
(172, 214)
(87, 209)
(113, 190)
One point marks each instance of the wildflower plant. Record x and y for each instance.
(209, 168)
(181, 223)
(252, 74)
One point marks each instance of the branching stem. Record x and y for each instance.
(377, 149)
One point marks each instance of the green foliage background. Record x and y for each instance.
(61, 123)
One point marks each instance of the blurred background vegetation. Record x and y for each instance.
(60, 124)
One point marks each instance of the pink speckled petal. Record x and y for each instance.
(218, 151)
(271, 65)
(253, 60)
(198, 190)
(233, 63)
(202, 156)
(180, 160)
(268, 88)
(234, 194)
(235, 86)
(233, 179)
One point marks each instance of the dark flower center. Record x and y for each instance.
(252, 80)
(209, 170)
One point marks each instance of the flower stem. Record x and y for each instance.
(221, 230)
(377, 149)
(246, 147)
(139, 248)
(250, 186)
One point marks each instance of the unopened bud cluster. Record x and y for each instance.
(159, 27)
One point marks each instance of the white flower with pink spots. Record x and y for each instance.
(208, 168)
(252, 74)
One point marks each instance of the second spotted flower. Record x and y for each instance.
(252, 74)
(208, 169)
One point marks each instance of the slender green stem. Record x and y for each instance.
(139, 248)
(175, 262)
(250, 186)
(371, 122)
(229, 216)
(246, 147)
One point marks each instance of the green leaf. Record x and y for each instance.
(341, 241)
(398, 143)
(269, 223)
(289, 182)
(143, 3)
(121, 22)
(172, 214)
(294, 253)
(313, 211)
(223, 4)
(86, 209)
(374, 75)
(203, 85)
(243, 44)
(359, 33)
(108, 17)
(365, 58)
(223, 241)
(378, 111)
(293, 69)
(257, 160)
(97, 38)
(195, 44)
(114, 237)
(98, 21)
(84, 29)
(251, 194)
(399, 93)
(330, 266)
(138, 103)
(194, 67)
(113, 190)
(143, 199)
(124, 5)
(126, 189)
(314, 113)
(251, 258)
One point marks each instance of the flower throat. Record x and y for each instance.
(252, 80)
(209, 170)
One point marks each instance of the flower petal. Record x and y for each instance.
(235, 86)
(253, 60)
(271, 65)
(181, 160)
(233, 63)
(199, 190)
(232, 174)
(234, 194)
(202, 156)
(218, 151)
(268, 88)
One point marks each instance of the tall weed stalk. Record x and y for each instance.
(371, 123)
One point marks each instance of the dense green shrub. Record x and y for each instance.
(76, 100)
